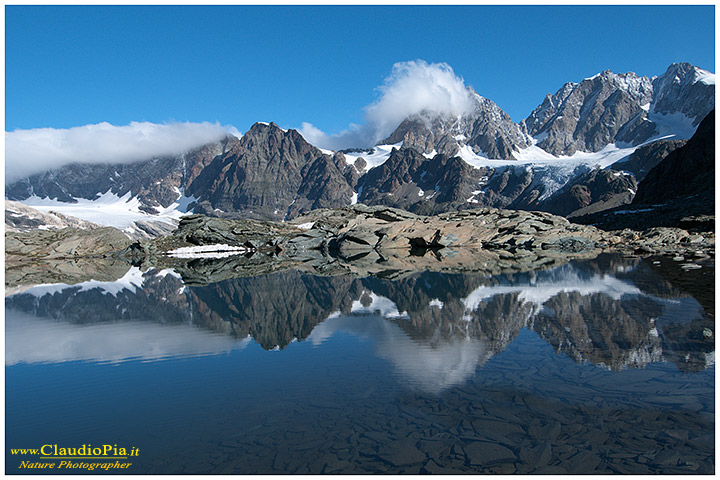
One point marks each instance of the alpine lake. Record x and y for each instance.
(599, 366)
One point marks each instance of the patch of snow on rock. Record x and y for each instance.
(219, 250)
(380, 154)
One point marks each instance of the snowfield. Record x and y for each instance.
(110, 210)
(380, 154)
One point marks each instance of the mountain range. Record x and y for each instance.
(586, 148)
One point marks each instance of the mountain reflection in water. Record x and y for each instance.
(598, 366)
(435, 328)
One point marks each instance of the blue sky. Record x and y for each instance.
(79, 65)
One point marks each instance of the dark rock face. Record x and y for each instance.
(591, 114)
(642, 160)
(689, 170)
(678, 192)
(487, 129)
(681, 90)
(508, 188)
(599, 189)
(415, 183)
(326, 183)
(266, 173)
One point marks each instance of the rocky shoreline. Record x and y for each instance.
(357, 239)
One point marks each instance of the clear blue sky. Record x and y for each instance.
(71, 66)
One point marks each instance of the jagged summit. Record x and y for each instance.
(485, 129)
(684, 89)
(621, 108)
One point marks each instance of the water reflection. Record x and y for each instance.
(428, 373)
(430, 366)
(436, 329)
(34, 340)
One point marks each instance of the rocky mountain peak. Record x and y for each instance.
(611, 108)
(684, 89)
(265, 128)
(271, 173)
(485, 128)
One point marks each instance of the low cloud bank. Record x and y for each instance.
(413, 87)
(28, 152)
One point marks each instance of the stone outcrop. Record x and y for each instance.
(360, 228)
(376, 240)
(67, 255)
(65, 243)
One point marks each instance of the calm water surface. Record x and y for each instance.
(602, 366)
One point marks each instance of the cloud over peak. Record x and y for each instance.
(32, 151)
(412, 88)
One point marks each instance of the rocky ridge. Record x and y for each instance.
(65, 255)
(156, 182)
(271, 174)
(274, 174)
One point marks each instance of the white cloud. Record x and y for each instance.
(412, 88)
(36, 150)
